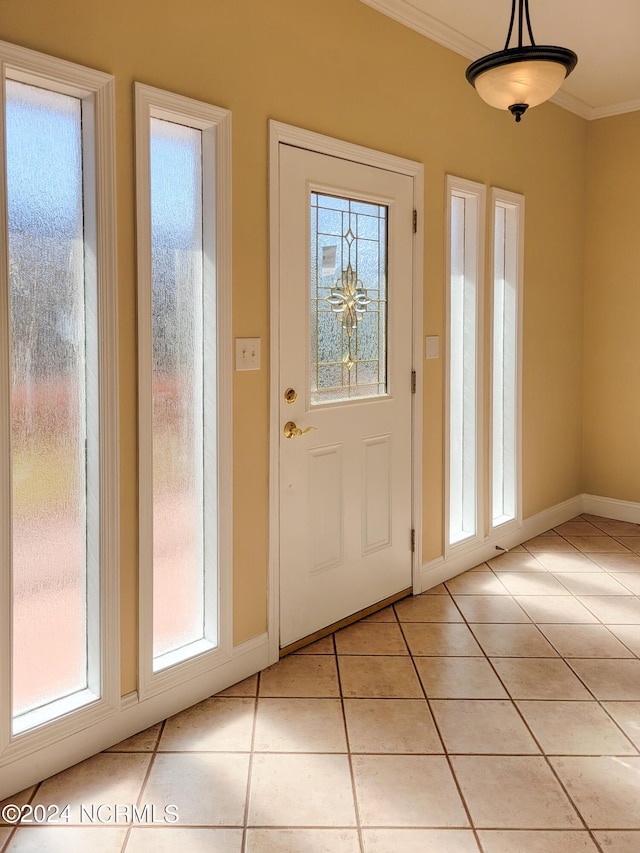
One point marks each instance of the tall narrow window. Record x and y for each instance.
(179, 148)
(50, 352)
(179, 579)
(508, 216)
(465, 236)
(60, 379)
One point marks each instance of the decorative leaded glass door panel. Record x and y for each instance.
(345, 255)
(348, 320)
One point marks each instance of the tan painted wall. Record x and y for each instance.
(339, 68)
(612, 310)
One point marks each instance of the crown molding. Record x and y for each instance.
(615, 109)
(572, 104)
(406, 13)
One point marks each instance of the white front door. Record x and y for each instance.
(345, 319)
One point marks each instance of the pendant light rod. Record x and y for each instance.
(526, 7)
(522, 5)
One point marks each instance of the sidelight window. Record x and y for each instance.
(183, 334)
(508, 215)
(58, 499)
(465, 261)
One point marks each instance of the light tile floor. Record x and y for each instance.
(499, 712)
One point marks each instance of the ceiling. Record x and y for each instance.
(604, 33)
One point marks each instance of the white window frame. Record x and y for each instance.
(215, 124)
(45, 726)
(514, 203)
(474, 195)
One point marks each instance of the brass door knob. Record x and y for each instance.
(291, 430)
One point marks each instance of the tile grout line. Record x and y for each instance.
(535, 740)
(14, 829)
(598, 701)
(594, 698)
(544, 754)
(154, 753)
(600, 705)
(605, 625)
(247, 793)
(445, 752)
(356, 804)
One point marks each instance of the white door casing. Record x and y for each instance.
(344, 493)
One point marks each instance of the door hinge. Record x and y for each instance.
(413, 382)
(413, 540)
(415, 221)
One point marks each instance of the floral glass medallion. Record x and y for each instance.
(349, 302)
(348, 316)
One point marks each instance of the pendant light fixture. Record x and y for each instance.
(520, 77)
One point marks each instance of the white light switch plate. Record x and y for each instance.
(247, 353)
(432, 346)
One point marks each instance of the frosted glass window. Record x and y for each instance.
(179, 577)
(505, 364)
(51, 450)
(348, 307)
(463, 368)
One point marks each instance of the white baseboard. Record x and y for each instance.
(439, 570)
(132, 717)
(611, 508)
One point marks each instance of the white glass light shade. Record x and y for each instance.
(521, 77)
(530, 82)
